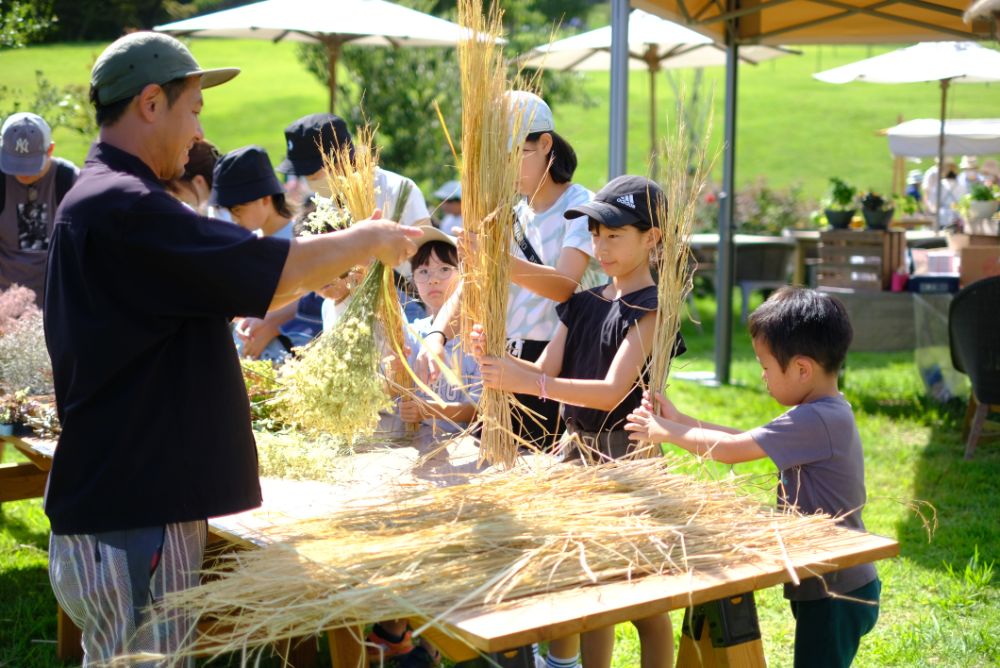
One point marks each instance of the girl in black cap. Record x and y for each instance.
(596, 358)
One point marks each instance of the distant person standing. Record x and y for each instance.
(913, 181)
(969, 174)
(450, 196)
(951, 193)
(312, 137)
(33, 184)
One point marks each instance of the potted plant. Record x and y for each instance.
(839, 203)
(907, 205)
(877, 210)
(14, 408)
(982, 202)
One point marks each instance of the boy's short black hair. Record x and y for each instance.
(799, 321)
(562, 158)
(444, 251)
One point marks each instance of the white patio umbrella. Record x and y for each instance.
(332, 23)
(654, 44)
(946, 62)
(967, 136)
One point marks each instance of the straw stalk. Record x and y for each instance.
(490, 168)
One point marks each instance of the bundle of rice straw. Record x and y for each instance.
(490, 168)
(511, 534)
(684, 183)
(333, 385)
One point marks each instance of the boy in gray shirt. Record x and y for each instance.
(801, 338)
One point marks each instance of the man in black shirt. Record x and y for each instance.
(156, 427)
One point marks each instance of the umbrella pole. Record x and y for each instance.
(617, 149)
(653, 63)
(940, 172)
(652, 121)
(332, 56)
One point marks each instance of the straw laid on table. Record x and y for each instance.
(516, 533)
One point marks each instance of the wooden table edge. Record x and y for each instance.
(475, 627)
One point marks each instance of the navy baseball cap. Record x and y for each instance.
(242, 176)
(309, 139)
(626, 200)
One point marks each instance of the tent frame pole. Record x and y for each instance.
(618, 130)
(945, 83)
(726, 253)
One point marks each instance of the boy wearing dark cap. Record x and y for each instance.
(32, 184)
(156, 433)
(311, 137)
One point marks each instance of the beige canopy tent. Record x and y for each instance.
(743, 22)
(825, 21)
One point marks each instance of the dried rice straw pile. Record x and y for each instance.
(333, 385)
(507, 535)
(684, 183)
(490, 168)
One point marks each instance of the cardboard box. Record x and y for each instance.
(957, 242)
(979, 262)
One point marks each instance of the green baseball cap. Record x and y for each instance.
(136, 60)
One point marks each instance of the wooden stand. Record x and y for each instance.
(720, 634)
(860, 259)
(972, 427)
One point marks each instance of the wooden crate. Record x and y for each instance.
(860, 259)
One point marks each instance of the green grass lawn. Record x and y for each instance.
(940, 598)
(792, 128)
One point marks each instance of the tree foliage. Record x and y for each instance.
(109, 19)
(61, 106)
(24, 22)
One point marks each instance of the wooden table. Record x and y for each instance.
(536, 618)
(26, 480)
(806, 243)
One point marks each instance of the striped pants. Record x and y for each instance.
(91, 582)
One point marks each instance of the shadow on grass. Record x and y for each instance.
(27, 638)
(966, 495)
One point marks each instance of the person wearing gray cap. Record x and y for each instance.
(32, 183)
(156, 434)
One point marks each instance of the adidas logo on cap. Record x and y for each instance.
(626, 200)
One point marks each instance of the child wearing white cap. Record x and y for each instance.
(552, 257)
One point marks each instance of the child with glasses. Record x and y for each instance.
(435, 274)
